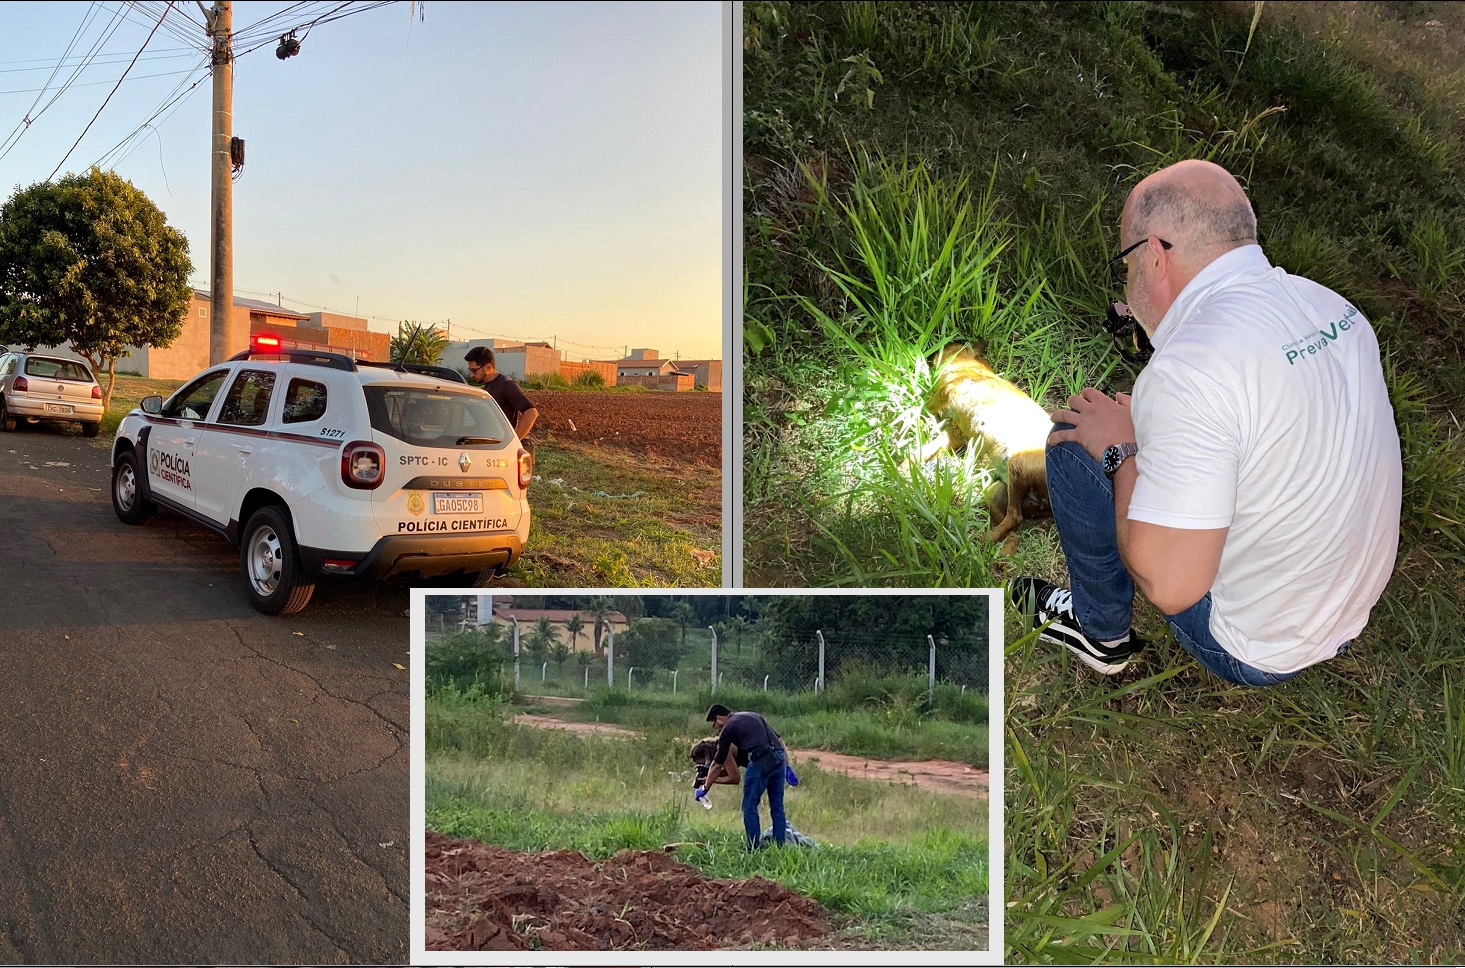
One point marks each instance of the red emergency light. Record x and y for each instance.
(264, 343)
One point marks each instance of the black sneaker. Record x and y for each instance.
(1047, 602)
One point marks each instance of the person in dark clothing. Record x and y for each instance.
(505, 392)
(759, 750)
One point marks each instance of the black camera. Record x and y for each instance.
(1129, 336)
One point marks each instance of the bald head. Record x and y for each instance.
(1195, 205)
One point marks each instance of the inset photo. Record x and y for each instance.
(771, 771)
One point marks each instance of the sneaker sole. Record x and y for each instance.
(1107, 666)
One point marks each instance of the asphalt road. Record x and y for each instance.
(183, 779)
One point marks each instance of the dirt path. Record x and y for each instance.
(941, 776)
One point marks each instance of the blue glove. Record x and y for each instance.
(701, 792)
(790, 776)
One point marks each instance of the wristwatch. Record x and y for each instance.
(1116, 455)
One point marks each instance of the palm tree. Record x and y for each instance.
(683, 614)
(560, 653)
(417, 343)
(600, 609)
(737, 625)
(575, 625)
(541, 639)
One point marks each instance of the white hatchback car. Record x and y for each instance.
(315, 464)
(39, 388)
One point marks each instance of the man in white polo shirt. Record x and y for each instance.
(1251, 487)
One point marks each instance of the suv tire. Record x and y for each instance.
(273, 576)
(127, 498)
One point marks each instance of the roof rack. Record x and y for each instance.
(336, 361)
(422, 369)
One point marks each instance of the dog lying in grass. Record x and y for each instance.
(977, 408)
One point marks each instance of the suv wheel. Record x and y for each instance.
(276, 583)
(7, 419)
(127, 499)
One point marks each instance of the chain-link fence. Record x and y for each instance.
(769, 652)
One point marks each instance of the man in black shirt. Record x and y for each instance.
(760, 752)
(505, 392)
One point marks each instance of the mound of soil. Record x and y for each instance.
(482, 898)
(681, 427)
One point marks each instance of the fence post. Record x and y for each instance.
(932, 687)
(516, 655)
(587, 678)
(544, 673)
(819, 682)
(610, 659)
(765, 683)
(674, 679)
(714, 659)
(630, 673)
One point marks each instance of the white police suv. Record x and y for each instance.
(317, 464)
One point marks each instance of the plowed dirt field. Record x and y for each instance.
(684, 427)
(484, 898)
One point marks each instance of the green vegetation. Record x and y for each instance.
(923, 172)
(893, 861)
(641, 533)
(90, 260)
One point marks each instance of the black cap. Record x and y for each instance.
(718, 709)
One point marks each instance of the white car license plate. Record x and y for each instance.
(58, 408)
(457, 503)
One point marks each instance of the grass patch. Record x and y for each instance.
(580, 540)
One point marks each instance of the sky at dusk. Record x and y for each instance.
(526, 170)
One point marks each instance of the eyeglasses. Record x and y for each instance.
(1122, 267)
(474, 369)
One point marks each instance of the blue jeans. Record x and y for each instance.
(755, 784)
(1082, 498)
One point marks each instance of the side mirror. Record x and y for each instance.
(152, 404)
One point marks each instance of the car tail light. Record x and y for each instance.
(96, 393)
(363, 465)
(21, 385)
(526, 468)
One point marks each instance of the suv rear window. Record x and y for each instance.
(57, 369)
(432, 418)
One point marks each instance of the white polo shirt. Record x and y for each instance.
(1264, 410)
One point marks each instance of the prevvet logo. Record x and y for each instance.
(1310, 345)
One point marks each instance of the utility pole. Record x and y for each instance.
(225, 336)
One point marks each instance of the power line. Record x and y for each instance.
(103, 61)
(140, 77)
(29, 119)
(109, 96)
(174, 100)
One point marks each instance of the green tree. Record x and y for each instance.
(683, 615)
(560, 653)
(89, 260)
(652, 643)
(575, 625)
(600, 609)
(417, 343)
(541, 640)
